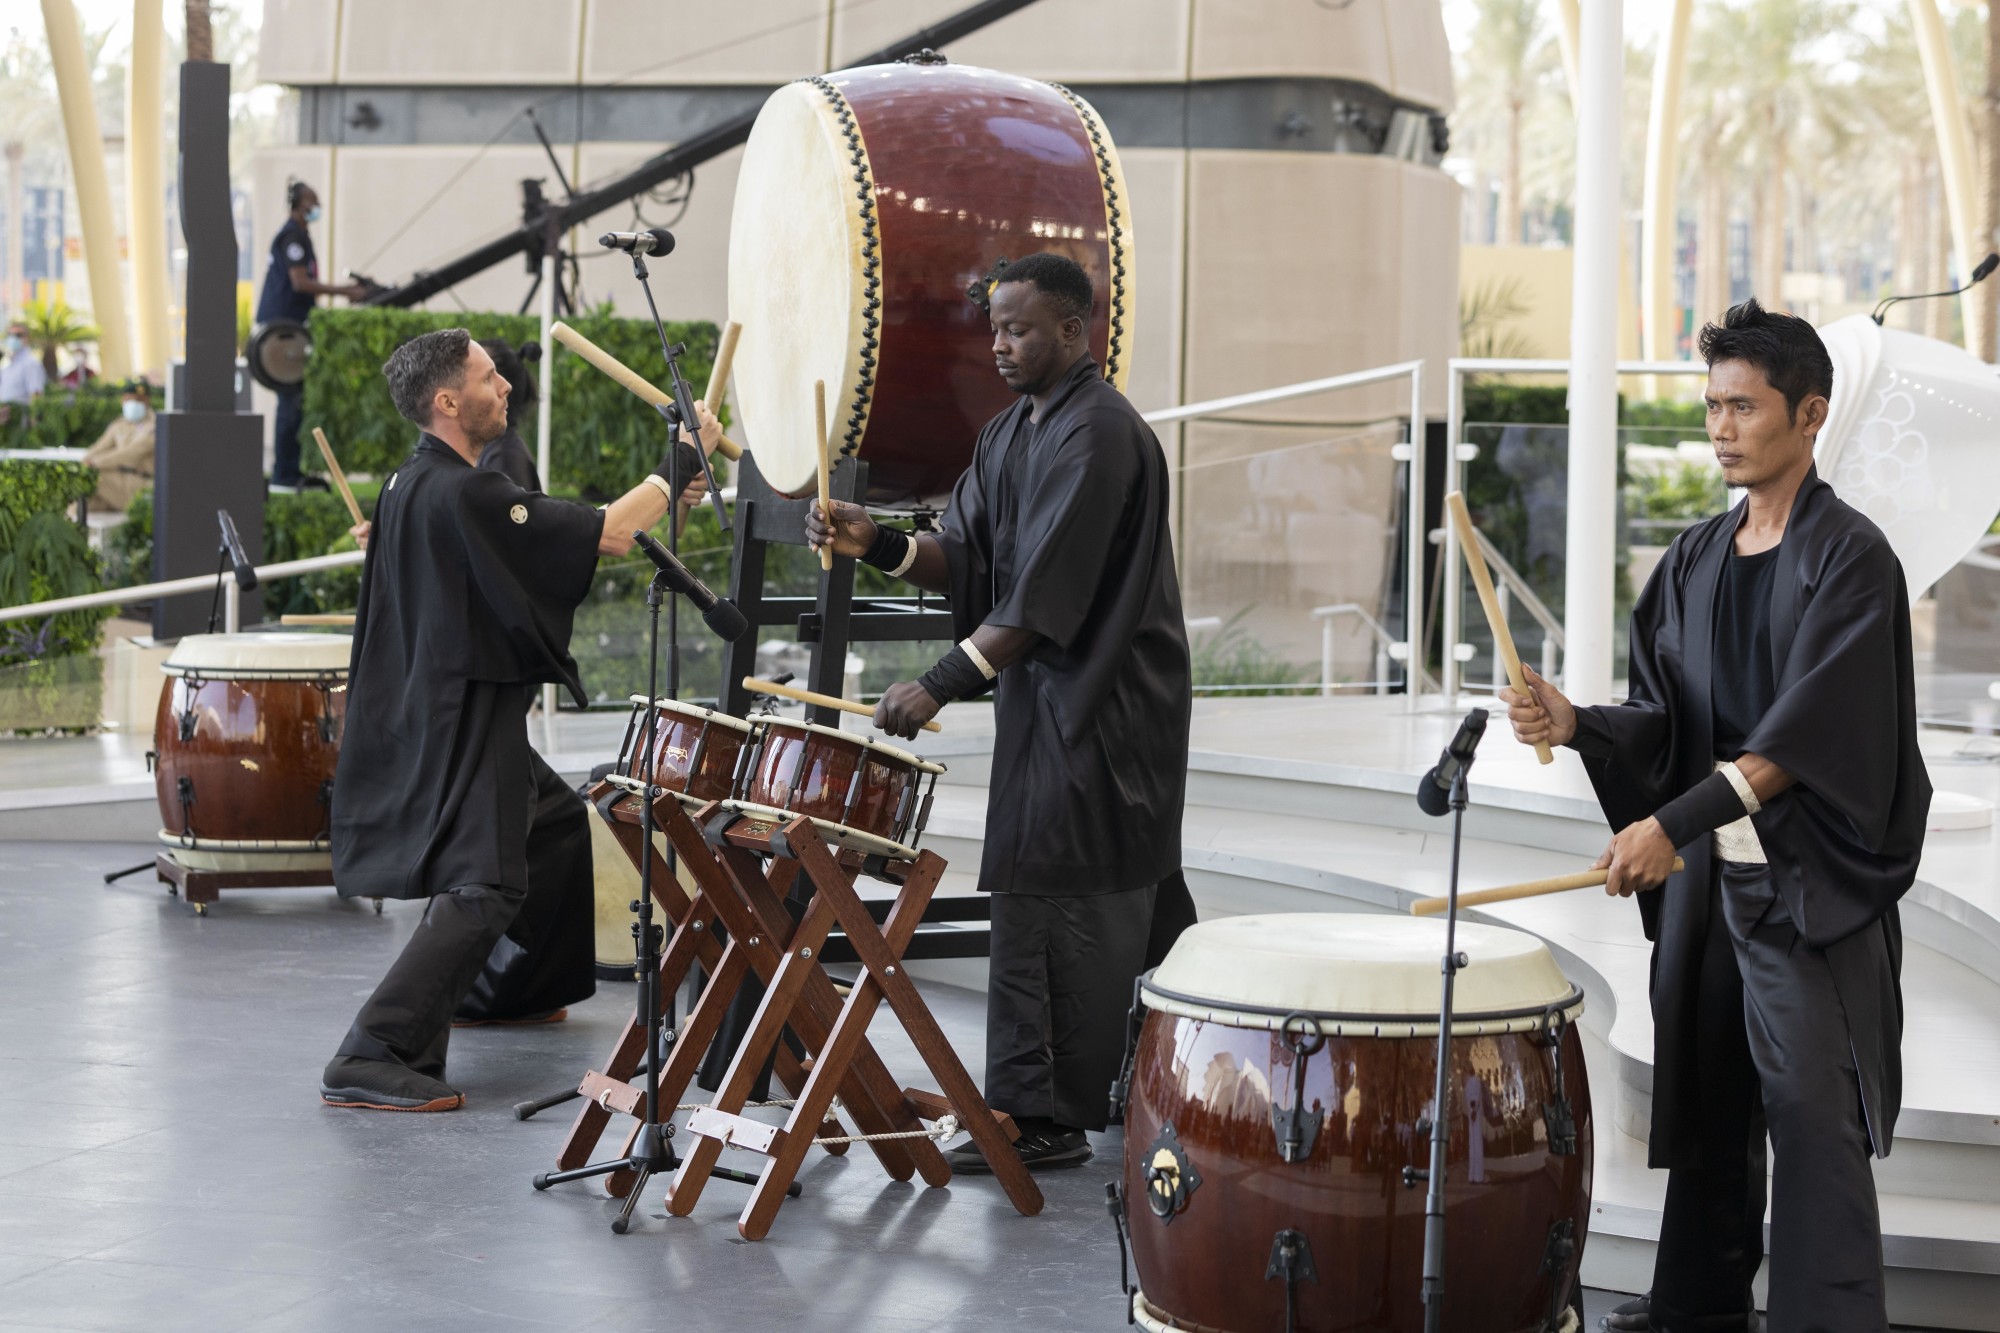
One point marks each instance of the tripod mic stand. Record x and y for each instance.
(1451, 770)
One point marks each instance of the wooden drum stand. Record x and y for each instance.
(741, 867)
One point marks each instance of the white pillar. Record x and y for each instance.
(1593, 351)
(1954, 141)
(145, 195)
(544, 414)
(93, 188)
(1662, 172)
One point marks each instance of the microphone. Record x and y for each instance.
(1979, 275)
(1434, 792)
(720, 613)
(652, 241)
(246, 573)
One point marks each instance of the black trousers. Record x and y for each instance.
(1059, 990)
(290, 416)
(1775, 1056)
(547, 957)
(407, 1020)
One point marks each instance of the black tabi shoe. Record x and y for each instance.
(1050, 1149)
(525, 1020)
(375, 1085)
(1634, 1316)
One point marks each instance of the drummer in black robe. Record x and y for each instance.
(1770, 738)
(1058, 560)
(467, 598)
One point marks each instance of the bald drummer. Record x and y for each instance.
(1057, 557)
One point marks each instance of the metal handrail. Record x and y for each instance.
(283, 569)
(1304, 389)
(1510, 577)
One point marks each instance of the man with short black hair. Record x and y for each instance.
(1770, 737)
(467, 599)
(1058, 558)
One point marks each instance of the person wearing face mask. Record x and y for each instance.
(467, 600)
(24, 375)
(123, 454)
(291, 287)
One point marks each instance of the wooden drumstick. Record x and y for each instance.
(1534, 888)
(797, 695)
(1482, 579)
(819, 451)
(625, 375)
(331, 618)
(725, 357)
(339, 477)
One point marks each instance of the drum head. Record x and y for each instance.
(1343, 965)
(277, 354)
(263, 656)
(794, 266)
(876, 747)
(695, 713)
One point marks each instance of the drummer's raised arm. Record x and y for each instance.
(914, 557)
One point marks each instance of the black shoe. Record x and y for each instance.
(376, 1085)
(311, 483)
(1634, 1316)
(1050, 1149)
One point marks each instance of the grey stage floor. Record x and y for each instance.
(165, 1162)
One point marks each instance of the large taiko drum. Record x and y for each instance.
(861, 793)
(874, 207)
(245, 743)
(1252, 1018)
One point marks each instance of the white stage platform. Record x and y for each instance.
(1307, 805)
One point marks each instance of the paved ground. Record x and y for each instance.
(165, 1163)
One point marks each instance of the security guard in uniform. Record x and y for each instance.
(291, 285)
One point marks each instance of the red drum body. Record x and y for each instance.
(862, 793)
(245, 742)
(874, 208)
(1250, 1017)
(695, 751)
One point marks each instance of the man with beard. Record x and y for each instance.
(1057, 557)
(466, 605)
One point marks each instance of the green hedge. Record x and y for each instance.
(296, 527)
(50, 677)
(605, 439)
(66, 418)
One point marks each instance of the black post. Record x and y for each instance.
(1440, 1116)
(205, 455)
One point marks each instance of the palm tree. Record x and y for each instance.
(1499, 75)
(53, 325)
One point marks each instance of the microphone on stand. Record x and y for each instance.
(1434, 792)
(1979, 275)
(246, 573)
(719, 613)
(652, 241)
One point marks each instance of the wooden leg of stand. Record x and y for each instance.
(884, 966)
(780, 996)
(867, 1065)
(732, 880)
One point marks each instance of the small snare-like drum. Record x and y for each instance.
(1281, 1082)
(696, 751)
(874, 208)
(861, 793)
(244, 747)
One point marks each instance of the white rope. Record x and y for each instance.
(943, 1130)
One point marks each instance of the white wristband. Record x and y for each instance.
(902, 567)
(659, 483)
(1751, 805)
(978, 658)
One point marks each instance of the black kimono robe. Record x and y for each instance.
(1071, 541)
(467, 598)
(1844, 841)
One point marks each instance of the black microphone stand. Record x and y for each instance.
(1979, 275)
(1434, 1177)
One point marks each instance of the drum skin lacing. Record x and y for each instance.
(1116, 219)
(871, 262)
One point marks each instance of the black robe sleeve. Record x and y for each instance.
(965, 533)
(531, 559)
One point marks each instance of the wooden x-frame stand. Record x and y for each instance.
(741, 869)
